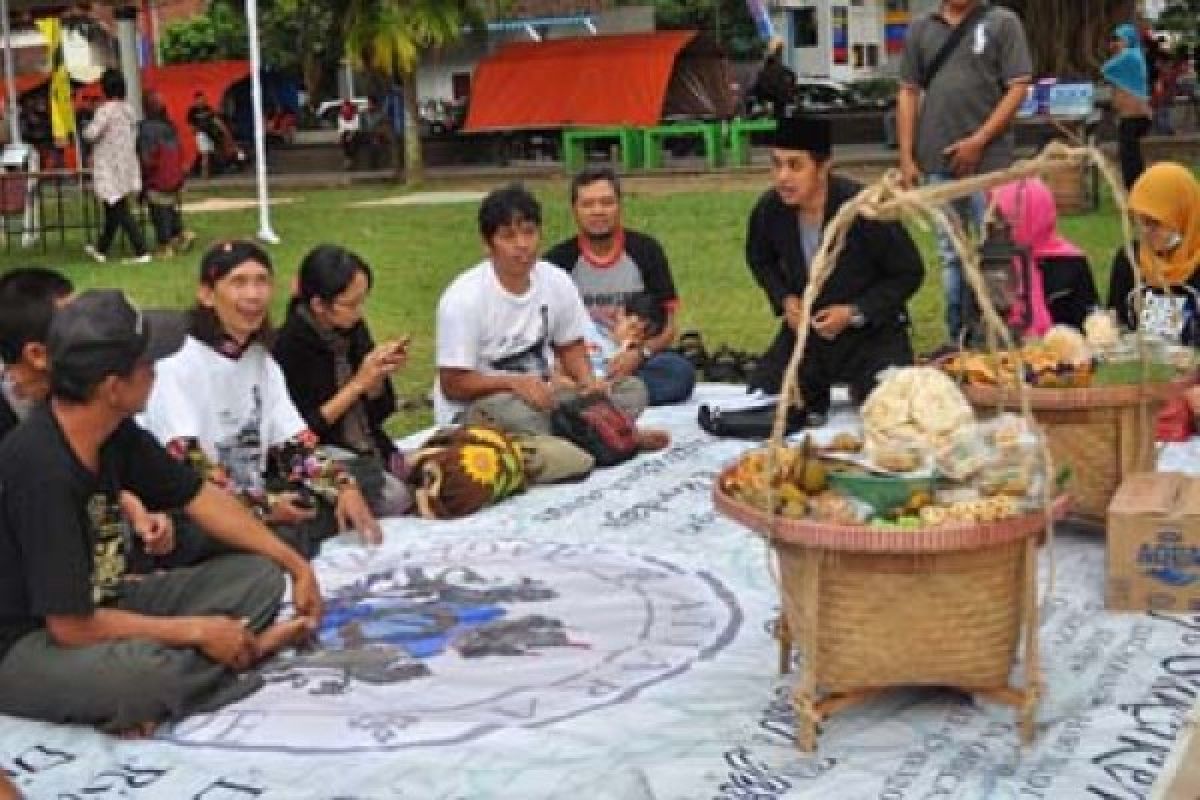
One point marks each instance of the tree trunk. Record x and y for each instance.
(414, 165)
(1070, 39)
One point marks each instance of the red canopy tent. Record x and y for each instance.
(178, 84)
(621, 79)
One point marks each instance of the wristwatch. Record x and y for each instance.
(647, 353)
(857, 318)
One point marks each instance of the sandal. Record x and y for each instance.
(724, 366)
(749, 363)
(691, 347)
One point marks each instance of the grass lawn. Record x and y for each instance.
(416, 250)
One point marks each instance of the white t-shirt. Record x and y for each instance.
(235, 409)
(483, 327)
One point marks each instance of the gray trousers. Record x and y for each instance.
(547, 458)
(510, 413)
(117, 685)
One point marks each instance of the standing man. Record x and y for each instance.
(859, 321)
(610, 265)
(80, 642)
(964, 74)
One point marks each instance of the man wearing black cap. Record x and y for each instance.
(79, 641)
(859, 321)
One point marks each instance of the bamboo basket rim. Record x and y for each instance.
(1077, 398)
(865, 539)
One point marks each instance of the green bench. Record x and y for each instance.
(574, 141)
(740, 131)
(708, 132)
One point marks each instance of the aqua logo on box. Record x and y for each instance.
(1170, 561)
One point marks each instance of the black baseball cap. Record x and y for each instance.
(100, 333)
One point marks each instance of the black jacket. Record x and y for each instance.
(8, 417)
(878, 270)
(1120, 285)
(308, 367)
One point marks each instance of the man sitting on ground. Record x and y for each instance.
(504, 325)
(612, 264)
(79, 641)
(859, 321)
(29, 297)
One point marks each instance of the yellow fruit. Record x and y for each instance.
(918, 500)
(815, 478)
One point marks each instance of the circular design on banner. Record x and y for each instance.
(443, 643)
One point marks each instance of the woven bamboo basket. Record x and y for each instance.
(1102, 433)
(878, 609)
(952, 606)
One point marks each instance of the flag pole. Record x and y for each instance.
(14, 127)
(265, 233)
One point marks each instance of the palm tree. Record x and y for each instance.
(390, 36)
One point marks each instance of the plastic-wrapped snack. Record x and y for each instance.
(962, 454)
(1067, 345)
(1015, 480)
(912, 412)
(1100, 329)
(1005, 432)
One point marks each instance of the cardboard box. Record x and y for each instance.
(1154, 543)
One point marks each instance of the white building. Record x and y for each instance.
(845, 39)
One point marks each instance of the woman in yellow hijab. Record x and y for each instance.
(1165, 206)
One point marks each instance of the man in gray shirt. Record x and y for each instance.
(955, 120)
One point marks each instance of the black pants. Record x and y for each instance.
(1130, 131)
(168, 222)
(854, 358)
(117, 215)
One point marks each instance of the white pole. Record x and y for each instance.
(260, 143)
(14, 128)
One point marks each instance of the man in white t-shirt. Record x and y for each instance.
(504, 324)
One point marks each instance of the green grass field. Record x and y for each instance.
(416, 250)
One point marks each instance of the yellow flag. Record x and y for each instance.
(62, 110)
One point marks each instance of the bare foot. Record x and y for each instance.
(281, 635)
(143, 730)
(7, 790)
(651, 439)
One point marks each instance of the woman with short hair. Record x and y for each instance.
(116, 174)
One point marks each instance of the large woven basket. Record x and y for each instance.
(1102, 434)
(878, 609)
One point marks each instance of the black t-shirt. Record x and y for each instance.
(62, 541)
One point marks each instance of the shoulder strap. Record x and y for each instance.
(951, 44)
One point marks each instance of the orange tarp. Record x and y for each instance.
(616, 79)
(177, 83)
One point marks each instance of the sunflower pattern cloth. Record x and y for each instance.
(461, 470)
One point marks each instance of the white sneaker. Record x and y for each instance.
(96, 255)
(144, 258)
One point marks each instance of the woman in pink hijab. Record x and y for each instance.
(1062, 289)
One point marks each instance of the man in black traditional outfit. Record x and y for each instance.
(859, 321)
